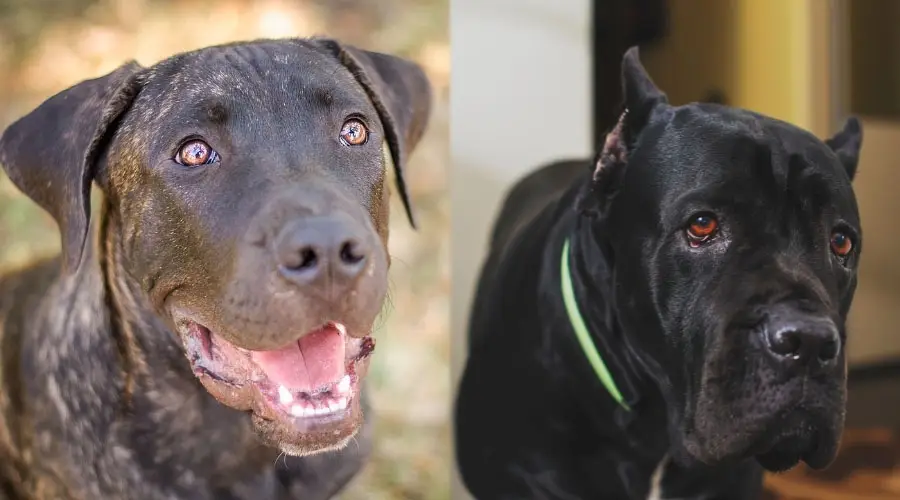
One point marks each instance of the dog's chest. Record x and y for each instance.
(187, 434)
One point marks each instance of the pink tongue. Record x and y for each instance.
(313, 362)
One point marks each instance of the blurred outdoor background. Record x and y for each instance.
(49, 45)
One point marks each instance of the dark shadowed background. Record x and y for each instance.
(47, 46)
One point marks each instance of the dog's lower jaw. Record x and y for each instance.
(807, 447)
(801, 438)
(298, 414)
(775, 462)
(299, 451)
(305, 435)
(689, 456)
(272, 434)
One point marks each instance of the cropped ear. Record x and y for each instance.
(400, 92)
(51, 153)
(641, 99)
(846, 145)
(641, 95)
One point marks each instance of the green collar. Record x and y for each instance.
(581, 331)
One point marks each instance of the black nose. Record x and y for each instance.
(803, 340)
(322, 250)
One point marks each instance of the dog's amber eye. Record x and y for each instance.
(354, 133)
(195, 153)
(841, 244)
(701, 229)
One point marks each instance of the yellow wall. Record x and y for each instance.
(765, 55)
(698, 53)
(772, 64)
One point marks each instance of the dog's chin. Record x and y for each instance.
(300, 438)
(800, 443)
(778, 446)
(318, 412)
(788, 451)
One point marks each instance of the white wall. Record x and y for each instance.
(520, 97)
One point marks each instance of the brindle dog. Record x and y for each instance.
(219, 311)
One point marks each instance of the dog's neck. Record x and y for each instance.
(592, 283)
(140, 332)
(159, 384)
(592, 277)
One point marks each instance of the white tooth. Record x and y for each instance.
(298, 411)
(334, 406)
(344, 385)
(341, 328)
(322, 411)
(342, 403)
(284, 395)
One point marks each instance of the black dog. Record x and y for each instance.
(240, 257)
(662, 322)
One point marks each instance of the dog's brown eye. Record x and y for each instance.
(701, 229)
(841, 244)
(354, 133)
(195, 153)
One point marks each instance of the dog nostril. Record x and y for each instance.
(786, 343)
(306, 258)
(829, 350)
(812, 343)
(350, 253)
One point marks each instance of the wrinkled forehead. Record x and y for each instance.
(257, 77)
(714, 150)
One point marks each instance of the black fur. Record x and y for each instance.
(682, 329)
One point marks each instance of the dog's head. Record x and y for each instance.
(246, 185)
(740, 235)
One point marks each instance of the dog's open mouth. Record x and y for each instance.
(314, 379)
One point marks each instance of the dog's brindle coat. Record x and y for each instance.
(275, 225)
(727, 348)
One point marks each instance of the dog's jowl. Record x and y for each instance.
(219, 311)
(667, 321)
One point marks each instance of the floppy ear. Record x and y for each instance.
(400, 92)
(846, 145)
(50, 154)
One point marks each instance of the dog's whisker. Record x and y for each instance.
(407, 266)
